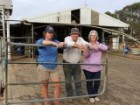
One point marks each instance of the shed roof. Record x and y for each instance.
(101, 20)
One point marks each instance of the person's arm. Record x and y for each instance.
(69, 43)
(45, 42)
(103, 47)
(77, 46)
(86, 52)
(99, 46)
(61, 44)
(85, 43)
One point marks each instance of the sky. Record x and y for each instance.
(23, 9)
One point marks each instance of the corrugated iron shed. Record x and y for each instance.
(84, 16)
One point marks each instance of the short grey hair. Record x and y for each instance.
(91, 32)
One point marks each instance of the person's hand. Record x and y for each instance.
(95, 46)
(77, 46)
(61, 44)
(55, 44)
(84, 48)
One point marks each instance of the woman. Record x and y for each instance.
(46, 72)
(93, 56)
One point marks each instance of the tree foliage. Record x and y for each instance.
(131, 15)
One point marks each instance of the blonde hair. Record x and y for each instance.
(91, 32)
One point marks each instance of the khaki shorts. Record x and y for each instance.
(45, 74)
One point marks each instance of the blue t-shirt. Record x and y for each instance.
(47, 54)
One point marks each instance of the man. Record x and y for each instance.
(72, 54)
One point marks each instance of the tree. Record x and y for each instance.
(110, 14)
(131, 15)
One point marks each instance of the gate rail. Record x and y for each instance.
(7, 62)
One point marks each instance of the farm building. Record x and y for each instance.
(6, 9)
(6, 4)
(84, 18)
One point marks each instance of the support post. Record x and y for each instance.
(3, 24)
(8, 35)
(32, 40)
(103, 37)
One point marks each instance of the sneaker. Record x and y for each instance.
(97, 99)
(92, 100)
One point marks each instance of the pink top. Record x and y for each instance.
(94, 57)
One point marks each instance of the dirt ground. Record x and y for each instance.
(123, 84)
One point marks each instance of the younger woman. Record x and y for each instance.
(46, 72)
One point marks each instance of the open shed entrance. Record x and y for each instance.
(75, 16)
